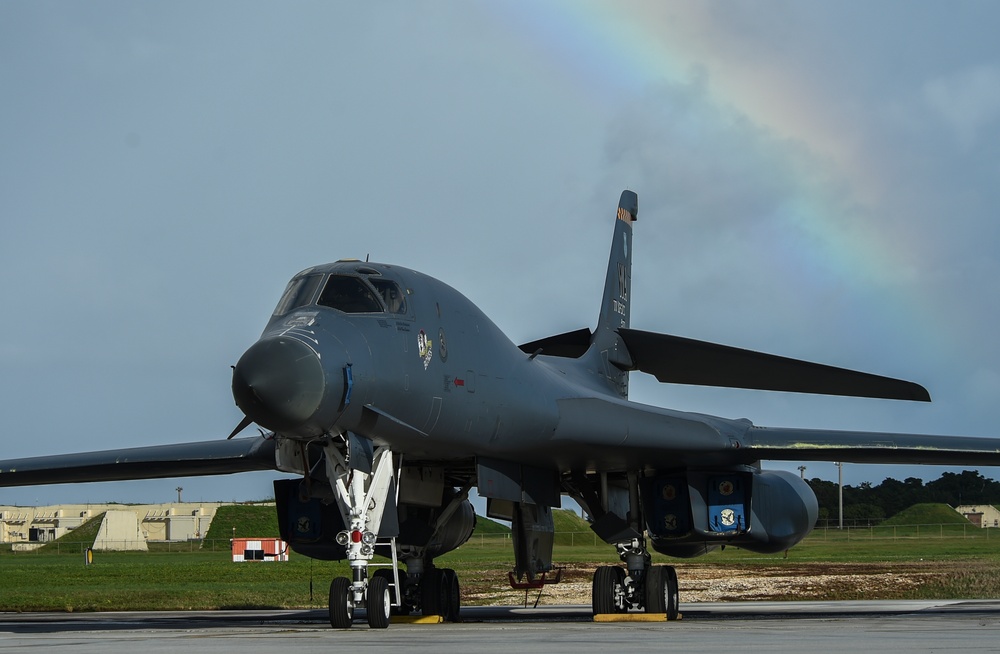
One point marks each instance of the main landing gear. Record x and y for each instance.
(642, 586)
(438, 593)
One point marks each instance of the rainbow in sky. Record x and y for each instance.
(605, 51)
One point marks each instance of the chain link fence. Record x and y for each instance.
(855, 532)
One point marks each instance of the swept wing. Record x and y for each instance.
(217, 457)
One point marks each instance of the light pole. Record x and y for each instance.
(840, 493)
(802, 473)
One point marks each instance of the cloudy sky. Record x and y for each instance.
(818, 180)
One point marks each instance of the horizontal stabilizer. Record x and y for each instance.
(156, 462)
(685, 361)
(571, 344)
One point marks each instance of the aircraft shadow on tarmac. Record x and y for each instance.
(50, 623)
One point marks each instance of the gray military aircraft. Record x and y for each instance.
(391, 396)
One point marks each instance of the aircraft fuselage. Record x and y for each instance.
(455, 384)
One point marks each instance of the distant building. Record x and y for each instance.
(981, 515)
(31, 527)
(120, 532)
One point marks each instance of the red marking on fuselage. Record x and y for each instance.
(459, 382)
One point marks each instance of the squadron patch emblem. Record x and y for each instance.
(425, 347)
(442, 346)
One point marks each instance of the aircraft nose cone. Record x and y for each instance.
(279, 383)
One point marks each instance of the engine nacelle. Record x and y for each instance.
(310, 526)
(694, 512)
(416, 526)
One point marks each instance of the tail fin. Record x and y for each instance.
(615, 306)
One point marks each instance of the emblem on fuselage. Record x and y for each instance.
(442, 346)
(425, 347)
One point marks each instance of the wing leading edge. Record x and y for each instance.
(647, 436)
(789, 444)
(155, 462)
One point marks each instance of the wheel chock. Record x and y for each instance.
(632, 617)
(416, 619)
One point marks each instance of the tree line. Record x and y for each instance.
(869, 503)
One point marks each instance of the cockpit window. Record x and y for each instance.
(391, 295)
(299, 292)
(350, 295)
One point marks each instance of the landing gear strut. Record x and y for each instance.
(361, 483)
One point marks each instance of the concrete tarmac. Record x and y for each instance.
(877, 626)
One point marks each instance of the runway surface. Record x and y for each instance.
(882, 626)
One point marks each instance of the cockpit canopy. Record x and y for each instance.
(347, 293)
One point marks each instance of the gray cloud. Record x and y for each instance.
(968, 101)
(166, 168)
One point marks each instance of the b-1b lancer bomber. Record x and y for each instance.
(391, 396)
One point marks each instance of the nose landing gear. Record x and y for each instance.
(362, 483)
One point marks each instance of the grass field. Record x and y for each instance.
(946, 561)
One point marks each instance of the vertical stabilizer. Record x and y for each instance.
(615, 307)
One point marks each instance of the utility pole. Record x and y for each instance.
(840, 493)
